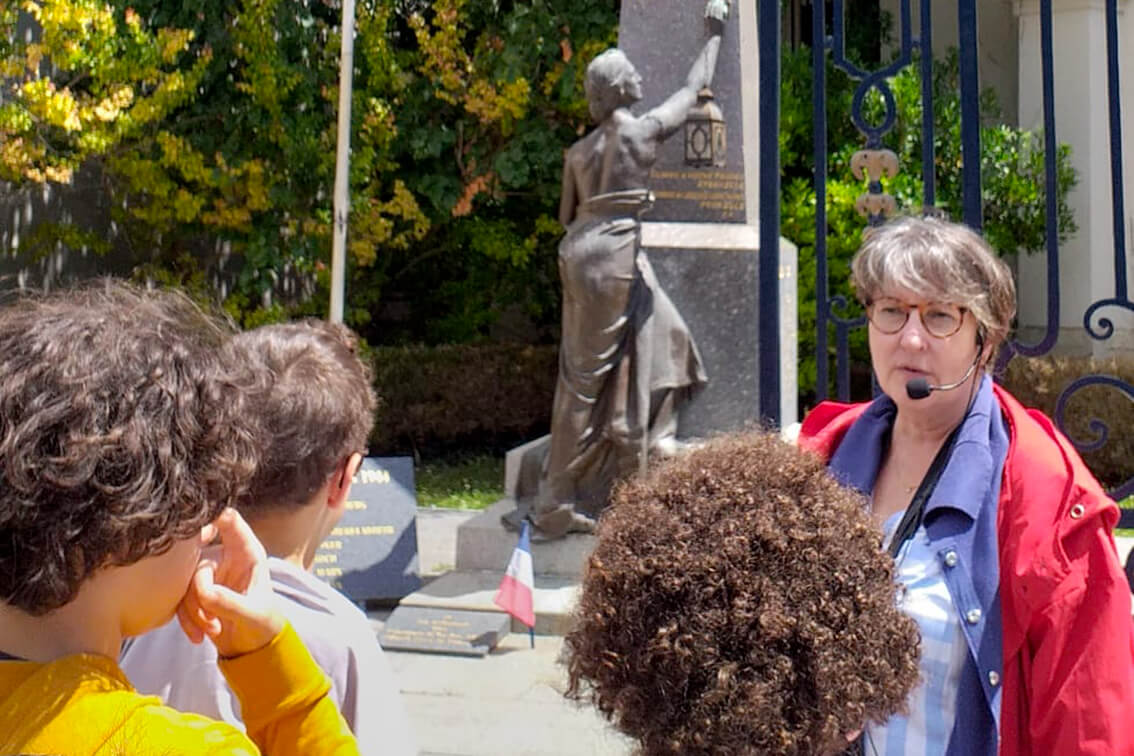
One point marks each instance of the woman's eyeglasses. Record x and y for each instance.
(938, 318)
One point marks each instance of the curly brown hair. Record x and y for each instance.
(121, 433)
(738, 602)
(317, 409)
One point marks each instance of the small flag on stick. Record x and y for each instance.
(515, 593)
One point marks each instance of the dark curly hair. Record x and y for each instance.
(122, 432)
(738, 602)
(316, 409)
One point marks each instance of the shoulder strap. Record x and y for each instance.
(911, 520)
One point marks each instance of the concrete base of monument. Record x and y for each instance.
(522, 467)
(483, 550)
(554, 597)
(483, 543)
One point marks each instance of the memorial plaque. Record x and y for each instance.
(444, 631)
(372, 552)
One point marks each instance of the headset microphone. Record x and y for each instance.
(920, 388)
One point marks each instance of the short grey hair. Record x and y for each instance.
(604, 81)
(939, 260)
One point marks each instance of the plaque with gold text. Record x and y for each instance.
(444, 631)
(372, 552)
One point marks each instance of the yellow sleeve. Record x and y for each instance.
(284, 701)
(155, 730)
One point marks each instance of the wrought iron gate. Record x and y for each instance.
(875, 160)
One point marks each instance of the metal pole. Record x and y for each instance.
(342, 165)
(970, 115)
(768, 32)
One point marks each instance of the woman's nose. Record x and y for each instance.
(913, 334)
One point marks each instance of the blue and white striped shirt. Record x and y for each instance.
(924, 596)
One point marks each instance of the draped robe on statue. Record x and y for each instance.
(624, 347)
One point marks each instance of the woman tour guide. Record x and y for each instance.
(1000, 534)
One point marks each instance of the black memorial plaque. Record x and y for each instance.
(444, 631)
(372, 552)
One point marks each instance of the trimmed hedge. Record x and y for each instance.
(489, 397)
(1038, 382)
(436, 400)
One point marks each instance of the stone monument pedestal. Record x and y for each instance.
(711, 272)
(483, 544)
(483, 550)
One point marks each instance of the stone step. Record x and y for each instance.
(554, 597)
(483, 543)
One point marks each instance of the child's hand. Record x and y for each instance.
(230, 597)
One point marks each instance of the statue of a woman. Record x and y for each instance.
(626, 359)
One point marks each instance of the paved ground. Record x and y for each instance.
(508, 703)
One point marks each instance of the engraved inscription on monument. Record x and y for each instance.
(709, 194)
(445, 631)
(372, 552)
(661, 37)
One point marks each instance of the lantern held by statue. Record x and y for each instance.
(705, 132)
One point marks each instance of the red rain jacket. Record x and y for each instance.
(1068, 636)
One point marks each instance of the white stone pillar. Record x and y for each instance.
(997, 61)
(1086, 259)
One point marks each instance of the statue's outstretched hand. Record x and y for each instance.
(716, 11)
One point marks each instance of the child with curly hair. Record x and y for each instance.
(738, 601)
(124, 439)
(316, 407)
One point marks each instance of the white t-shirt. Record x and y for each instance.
(185, 676)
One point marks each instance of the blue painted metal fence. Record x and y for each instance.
(875, 161)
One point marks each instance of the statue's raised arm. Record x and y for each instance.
(670, 115)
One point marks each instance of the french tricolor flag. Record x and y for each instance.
(515, 593)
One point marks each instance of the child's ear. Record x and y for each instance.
(341, 480)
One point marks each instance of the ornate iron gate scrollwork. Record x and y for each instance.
(875, 161)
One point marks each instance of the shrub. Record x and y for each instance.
(1039, 381)
(1012, 175)
(487, 397)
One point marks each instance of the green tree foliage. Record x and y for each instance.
(1012, 175)
(247, 167)
(493, 93)
(214, 126)
(216, 134)
(96, 77)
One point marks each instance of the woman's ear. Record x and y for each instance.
(985, 349)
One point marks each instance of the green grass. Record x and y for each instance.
(1127, 503)
(473, 482)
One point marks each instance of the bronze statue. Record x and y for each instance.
(626, 358)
